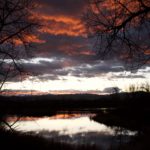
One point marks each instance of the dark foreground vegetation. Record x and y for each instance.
(122, 111)
(26, 141)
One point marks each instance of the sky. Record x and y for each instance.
(64, 60)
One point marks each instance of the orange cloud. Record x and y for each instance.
(147, 52)
(76, 49)
(29, 38)
(58, 18)
(111, 12)
(62, 25)
(87, 52)
(34, 39)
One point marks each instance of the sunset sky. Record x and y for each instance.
(64, 59)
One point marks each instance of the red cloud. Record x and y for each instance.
(62, 25)
(30, 38)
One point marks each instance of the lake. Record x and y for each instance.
(73, 128)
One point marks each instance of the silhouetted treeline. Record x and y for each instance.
(50, 104)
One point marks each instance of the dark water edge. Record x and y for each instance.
(24, 141)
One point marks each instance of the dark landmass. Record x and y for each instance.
(25, 141)
(51, 104)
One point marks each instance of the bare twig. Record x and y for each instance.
(122, 28)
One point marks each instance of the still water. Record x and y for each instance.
(72, 129)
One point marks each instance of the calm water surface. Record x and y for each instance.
(73, 129)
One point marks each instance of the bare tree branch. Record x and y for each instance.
(16, 24)
(122, 29)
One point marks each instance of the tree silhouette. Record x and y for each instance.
(17, 25)
(121, 28)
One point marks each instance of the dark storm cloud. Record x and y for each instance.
(61, 67)
(47, 77)
(65, 7)
(98, 68)
(57, 68)
(43, 67)
(61, 17)
(63, 45)
(66, 45)
(131, 76)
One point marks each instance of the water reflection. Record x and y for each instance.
(62, 123)
(72, 129)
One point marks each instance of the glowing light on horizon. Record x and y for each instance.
(71, 84)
